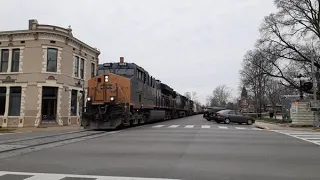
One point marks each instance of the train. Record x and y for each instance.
(124, 94)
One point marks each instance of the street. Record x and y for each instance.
(187, 148)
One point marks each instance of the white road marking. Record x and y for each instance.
(258, 129)
(240, 128)
(49, 176)
(174, 126)
(205, 127)
(158, 126)
(222, 127)
(9, 133)
(189, 126)
(312, 137)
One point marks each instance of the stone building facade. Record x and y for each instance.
(43, 76)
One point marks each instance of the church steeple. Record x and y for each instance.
(244, 93)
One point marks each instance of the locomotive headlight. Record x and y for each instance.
(111, 98)
(106, 78)
(89, 99)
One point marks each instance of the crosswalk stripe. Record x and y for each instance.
(49, 176)
(222, 127)
(240, 128)
(213, 127)
(189, 126)
(205, 126)
(173, 126)
(158, 126)
(311, 137)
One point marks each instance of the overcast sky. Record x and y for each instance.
(191, 45)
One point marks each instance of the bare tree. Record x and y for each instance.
(253, 76)
(194, 96)
(220, 96)
(292, 35)
(187, 95)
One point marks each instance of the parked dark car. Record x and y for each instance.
(228, 116)
(210, 113)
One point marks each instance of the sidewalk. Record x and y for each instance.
(271, 126)
(41, 129)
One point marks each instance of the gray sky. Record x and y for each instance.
(191, 45)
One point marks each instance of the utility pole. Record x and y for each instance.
(315, 88)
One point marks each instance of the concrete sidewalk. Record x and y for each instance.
(271, 126)
(41, 129)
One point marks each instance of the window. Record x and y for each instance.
(3, 91)
(93, 69)
(4, 60)
(140, 75)
(15, 60)
(15, 101)
(82, 69)
(74, 102)
(76, 66)
(52, 57)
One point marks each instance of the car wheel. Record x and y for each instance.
(208, 119)
(227, 121)
(249, 122)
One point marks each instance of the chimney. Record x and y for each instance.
(32, 22)
(121, 59)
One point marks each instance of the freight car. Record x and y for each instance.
(124, 94)
(197, 109)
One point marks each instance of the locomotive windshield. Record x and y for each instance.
(127, 72)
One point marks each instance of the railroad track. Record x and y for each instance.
(15, 147)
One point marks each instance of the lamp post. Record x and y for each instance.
(300, 85)
(81, 84)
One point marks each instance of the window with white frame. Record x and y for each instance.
(93, 70)
(82, 68)
(52, 58)
(79, 67)
(9, 60)
(4, 60)
(15, 60)
(76, 66)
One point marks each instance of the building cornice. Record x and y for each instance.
(48, 34)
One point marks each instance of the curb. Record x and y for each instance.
(262, 127)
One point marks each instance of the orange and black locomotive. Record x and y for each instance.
(124, 94)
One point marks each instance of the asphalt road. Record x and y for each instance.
(189, 148)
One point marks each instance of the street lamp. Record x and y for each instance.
(81, 84)
(300, 85)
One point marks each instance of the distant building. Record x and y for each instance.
(43, 74)
(245, 103)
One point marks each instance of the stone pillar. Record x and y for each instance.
(69, 106)
(58, 118)
(21, 60)
(38, 118)
(22, 107)
(5, 120)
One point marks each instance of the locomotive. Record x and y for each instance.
(124, 94)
